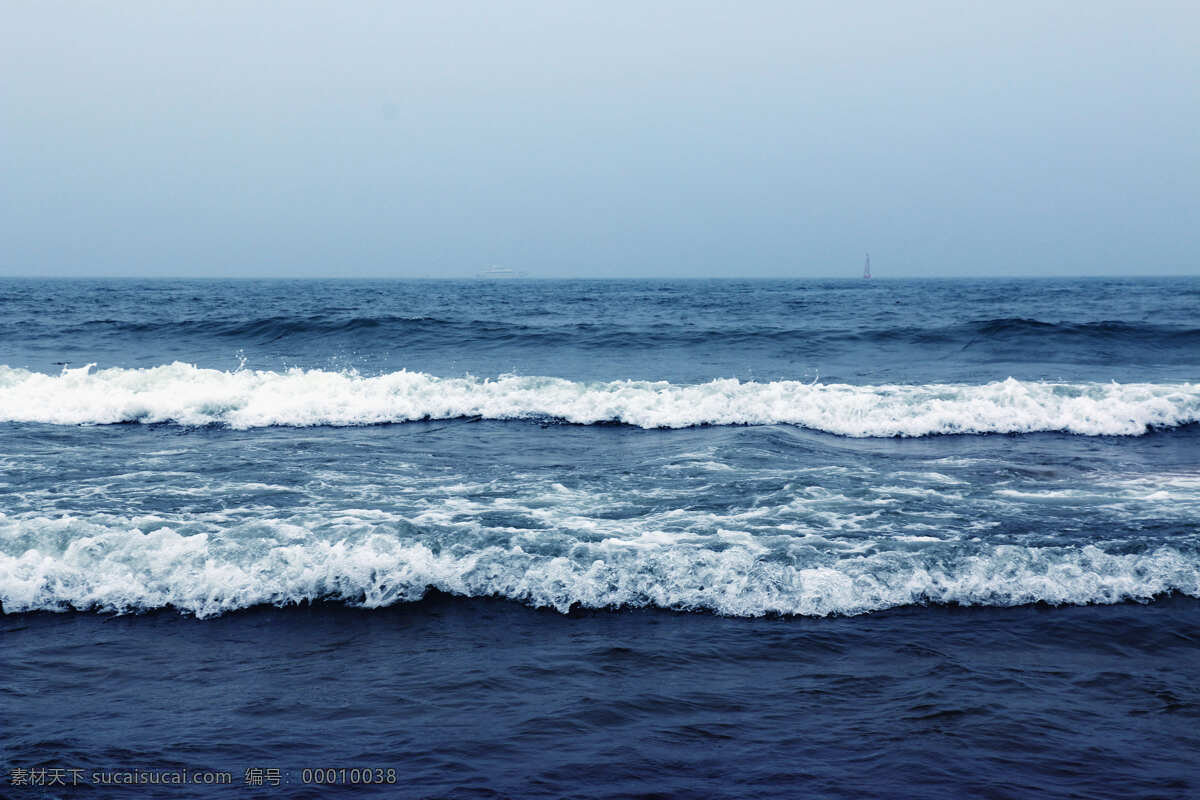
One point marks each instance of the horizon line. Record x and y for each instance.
(527, 278)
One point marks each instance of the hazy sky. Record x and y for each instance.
(301, 138)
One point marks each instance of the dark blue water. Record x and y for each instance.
(531, 538)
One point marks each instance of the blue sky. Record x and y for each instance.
(601, 139)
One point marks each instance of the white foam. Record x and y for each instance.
(112, 565)
(187, 395)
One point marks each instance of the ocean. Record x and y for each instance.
(653, 538)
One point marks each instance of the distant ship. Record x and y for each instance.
(867, 269)
(495, 272)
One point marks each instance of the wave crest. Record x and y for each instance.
(187, 395)
(126, 570)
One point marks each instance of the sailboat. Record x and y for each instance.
(867, 269)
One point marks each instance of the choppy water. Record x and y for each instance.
(803, 449)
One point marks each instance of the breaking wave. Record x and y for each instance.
(121, 569)
(187, 395)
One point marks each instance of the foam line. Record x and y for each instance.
(187, 395)
(110, 567)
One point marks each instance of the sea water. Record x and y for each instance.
(831, 530)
